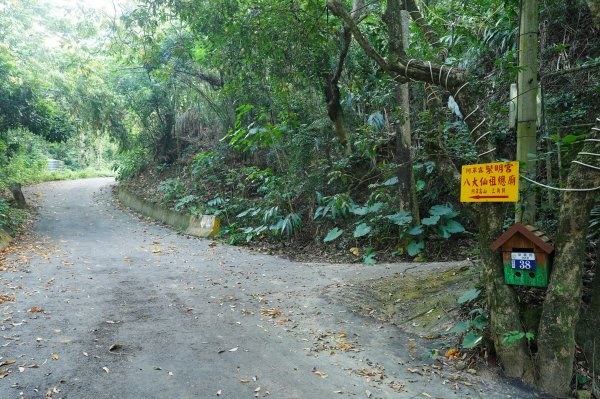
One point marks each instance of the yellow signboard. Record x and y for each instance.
(490, 182)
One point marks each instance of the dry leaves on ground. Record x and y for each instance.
(7, 298)
(272, 313)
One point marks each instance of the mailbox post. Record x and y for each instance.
(526, 255)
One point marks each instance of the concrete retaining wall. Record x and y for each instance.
(205, 226)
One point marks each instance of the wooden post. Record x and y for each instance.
(527, 85)
(15, 189)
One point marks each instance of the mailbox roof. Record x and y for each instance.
(532, 233)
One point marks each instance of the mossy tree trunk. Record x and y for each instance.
(396, 20)
(556, 335)
(501, 298)
(589, 324)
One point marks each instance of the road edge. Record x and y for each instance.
(205, 227)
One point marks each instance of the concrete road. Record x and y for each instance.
(108, 305)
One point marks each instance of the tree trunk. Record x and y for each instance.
(527, 86)
(501, 298)
(332, 89)
(556, 336)
(396, 19)
(594, 6)
(589, 325)
(17, 193)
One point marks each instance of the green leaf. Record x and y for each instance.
(439, 210)
(400, 218)
(419, 185)
(245, 213)
(362, 230)
(333, 234)
(453, 227)
(461, 327)
(511, 337)
(471, 340)
(443, 232)
(415, 247)
(569, 138)
(369, 258)
(415, 231)
(376, 207)
(468, 296)
(359, 210)
(481, 322)
(430, 221)
(390, 182)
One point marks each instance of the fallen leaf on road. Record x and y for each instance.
(426, 395)
(321, 374)
(219, 392)
(55, 356)
(106, 369)
(368, 393)
(8, 363)
(452, 354)
(3, 373)
(7, 298)
(115, 347)
(21, 369)
(355, 251)
(170, 373)
(370, 373)
(272, 313)
(233, 349)
(156, 251)
(244, 381)
(398, 387)
(51, 392)
(35, 309)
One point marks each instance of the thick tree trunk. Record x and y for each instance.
(589, 325)
(17, 193)
(556, 336)
(501, 298)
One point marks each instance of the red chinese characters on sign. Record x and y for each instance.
(491, 182)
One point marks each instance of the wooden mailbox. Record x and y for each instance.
(526, 255)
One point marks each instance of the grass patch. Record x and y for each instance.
(75, 174)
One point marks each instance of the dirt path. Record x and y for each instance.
(190, 319)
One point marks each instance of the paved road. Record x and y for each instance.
(188, 318)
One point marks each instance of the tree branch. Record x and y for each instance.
(402, 69)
